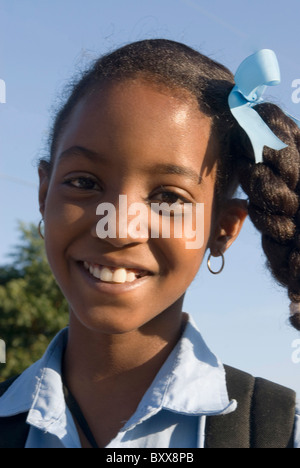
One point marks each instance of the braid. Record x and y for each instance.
(273, 188)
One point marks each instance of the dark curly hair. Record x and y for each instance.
(272, 187)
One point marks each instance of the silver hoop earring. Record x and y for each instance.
(222, 265)
(40, 228)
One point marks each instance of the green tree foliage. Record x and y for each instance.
(32, 307)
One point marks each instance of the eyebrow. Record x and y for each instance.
(78, 151)
(177, 170)
(162, 168)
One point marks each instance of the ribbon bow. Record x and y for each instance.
(252, 77)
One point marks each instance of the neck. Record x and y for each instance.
(94, 357)
(109, 373)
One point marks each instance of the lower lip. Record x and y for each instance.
(112, 288)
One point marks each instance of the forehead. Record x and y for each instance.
(139, 119)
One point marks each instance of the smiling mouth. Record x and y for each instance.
(114, 275)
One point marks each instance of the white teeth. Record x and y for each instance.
(96, 272)
(130, 276)
(106, 274)
(119, 275)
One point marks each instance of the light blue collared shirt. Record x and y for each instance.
(190, 385)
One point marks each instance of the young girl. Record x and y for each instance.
(151, 121)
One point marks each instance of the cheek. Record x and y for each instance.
(62, 221)
(179, 268)
(62, 216)
(62, 212)
(182, 255)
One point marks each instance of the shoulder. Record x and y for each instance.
(265, 414)
(6, 384)
(18, 392)
(13, 429)
(256, 387)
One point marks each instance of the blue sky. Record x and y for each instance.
(242, 313)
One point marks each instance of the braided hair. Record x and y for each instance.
(272, 187)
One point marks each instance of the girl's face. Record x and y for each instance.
(133, 139)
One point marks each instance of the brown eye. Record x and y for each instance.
(170, 197)
(82, 183)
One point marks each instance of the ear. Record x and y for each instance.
(228, 226)
(43, 186)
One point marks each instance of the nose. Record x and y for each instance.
(122, 223)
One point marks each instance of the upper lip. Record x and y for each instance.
(114, 263)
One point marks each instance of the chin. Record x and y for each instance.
(112, 322)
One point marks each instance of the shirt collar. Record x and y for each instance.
(191, 381)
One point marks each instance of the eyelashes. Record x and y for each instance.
(82, 183)
(170, 196)
(90, 184)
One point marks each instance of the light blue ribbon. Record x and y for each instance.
(253, 76)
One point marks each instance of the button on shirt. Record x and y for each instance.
(189, 386)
